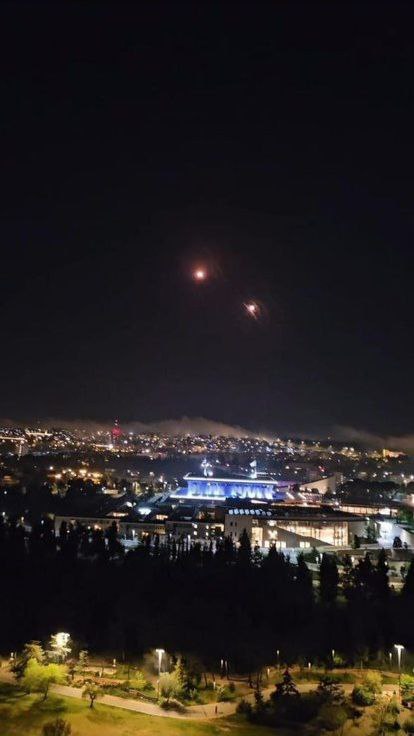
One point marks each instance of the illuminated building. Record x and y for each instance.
(223, 486)
(299, 527)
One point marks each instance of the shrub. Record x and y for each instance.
(407, 685)
(373, 682)
(329, 689)
(171, 704)
(59, 727)
(332, 717)
(408, 726)
(244, 708)
(394, 707)
(224, 695)
(139, 681)
(298, 710)
(362, 696)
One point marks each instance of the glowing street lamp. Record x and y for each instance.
(399, 648)
(60, 644)
(160, 652)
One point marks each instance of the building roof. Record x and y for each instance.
(306, 513)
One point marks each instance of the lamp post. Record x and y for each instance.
(160, 652)
(399, 648)
(278, 658)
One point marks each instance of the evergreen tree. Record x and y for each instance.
(33, 650)
(381, 585)
(304, 582)
(329, 579)
(408, 588)
(244, 553)
(286, 687)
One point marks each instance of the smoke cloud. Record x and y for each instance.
(181, 426)
(404, 443)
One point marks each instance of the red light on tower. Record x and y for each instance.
(116, 432)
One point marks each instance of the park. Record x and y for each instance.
(60, 691)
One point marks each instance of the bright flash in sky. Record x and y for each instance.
(252, 309)
(200, 274)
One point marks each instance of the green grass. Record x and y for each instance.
(24, 715)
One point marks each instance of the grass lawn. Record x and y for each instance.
(24, 715)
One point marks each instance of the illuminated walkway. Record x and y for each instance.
(192, 712)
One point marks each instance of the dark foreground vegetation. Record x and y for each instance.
(231, 605)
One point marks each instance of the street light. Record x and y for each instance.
(160, 652)
(399, 648)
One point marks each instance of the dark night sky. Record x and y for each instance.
(273, 142)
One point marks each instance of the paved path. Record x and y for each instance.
(192, 712)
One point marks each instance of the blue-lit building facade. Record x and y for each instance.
(223, 487)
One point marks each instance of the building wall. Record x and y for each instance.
(322, 485)
(287, 533)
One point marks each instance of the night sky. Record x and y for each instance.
(271, 143)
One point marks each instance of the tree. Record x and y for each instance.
(304, 582)
(361, 696)
(39, 677)
(286, 687)
(31, 650)
(332, 717)
(115, 547)
(383, 718)
(329, 579)
(373, 682)
(371, 533)
(59, 727)
(244, 554)
(169, 685)
(83, 658)
(408, 588)
(183, 677)
(92, 692)
(381, 586)
(60, 645)
(407, 686)
(330, 689)
(408, 725)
